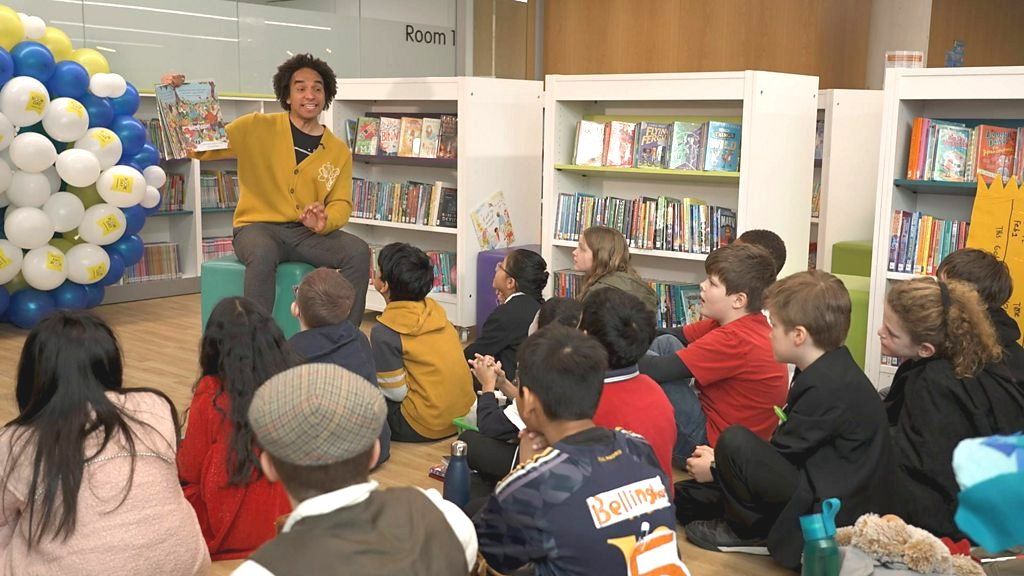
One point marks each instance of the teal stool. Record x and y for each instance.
(223, 277)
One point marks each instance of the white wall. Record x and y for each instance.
(239, 44)
(895, 25)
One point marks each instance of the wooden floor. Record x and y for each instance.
(160, 339)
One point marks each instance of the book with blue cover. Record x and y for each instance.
(652, 142)
(723, 147)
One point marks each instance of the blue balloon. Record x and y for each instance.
(132, 134)
(33, 59)
(70, 296)
(101, 112)
(29, 306)
(135, 217)
(94, 294)
(130, 248)
(5, 299)
(126, 104)
(115, 272)
(6, 66)
(148, 156)
(70, 80)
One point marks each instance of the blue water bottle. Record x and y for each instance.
(821, 554)
(456, 478)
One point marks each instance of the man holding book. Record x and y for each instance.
(295, 178)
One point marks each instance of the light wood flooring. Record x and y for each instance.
(160, 339)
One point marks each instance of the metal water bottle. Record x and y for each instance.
(456, 478)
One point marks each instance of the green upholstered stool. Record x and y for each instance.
(223, 277)
(852, 257)
(857, 338)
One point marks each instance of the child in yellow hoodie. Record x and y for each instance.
(420, 366)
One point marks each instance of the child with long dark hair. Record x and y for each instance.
(89, 484)
(219, 462)
(518, 282)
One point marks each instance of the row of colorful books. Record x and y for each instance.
(661, 223)
(218, 188)
(160, 261)
(217, 247)
(407, 136)
(445, 273)
(919, 242)
(410, 202)
(172, 194)
(952, 152)
(678, 303)
(708, 146)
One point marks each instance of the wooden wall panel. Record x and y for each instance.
(827, 38)
(990, 29)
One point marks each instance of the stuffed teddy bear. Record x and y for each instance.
(891, 541)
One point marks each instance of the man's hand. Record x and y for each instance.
(531, 443)
(483, 367)
(173, 78)
(314, 217)
(699, 464)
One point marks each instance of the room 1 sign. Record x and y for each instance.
(419, 36)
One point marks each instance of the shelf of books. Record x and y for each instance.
(845, 170)
(942, 128)
(680, 164)
(194, 222)
(430, 156)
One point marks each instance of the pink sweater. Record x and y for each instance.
(153, 532)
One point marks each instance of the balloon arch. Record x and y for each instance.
(78, 174)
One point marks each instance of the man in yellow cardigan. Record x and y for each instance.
(295, 180)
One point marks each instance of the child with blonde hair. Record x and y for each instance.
(955, 386)
(603, 257)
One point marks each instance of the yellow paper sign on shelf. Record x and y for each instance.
(36, 102)
(997, 226)
(97, 272)
(122, 183)
(109, 224)
(55, 261)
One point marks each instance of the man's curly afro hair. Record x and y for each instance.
(283, 78)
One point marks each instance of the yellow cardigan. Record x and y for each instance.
(272, 187)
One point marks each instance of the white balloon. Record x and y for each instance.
(4, 201)
(121, 186)
(28, 189)
(6, 175)
(35, 26)
(10, 261)
(99, 86)
(24, 100)
(117, 85)
(28, 227)
(7, 132)
(53, 178)
(66, 120)
(79, 168)
(87, 263)
(65, 211)
(43, 268)
(104, 144)
(155, 176)
(102, 224)
(151, 199)
(33, 152)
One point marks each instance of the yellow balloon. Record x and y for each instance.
(93, 61)
(16, 284)
(62, 244)
(12, 30)
(88, 195)
(58, 42)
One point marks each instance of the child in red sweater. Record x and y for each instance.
(729, 355)
(218, 462)
(629, 400)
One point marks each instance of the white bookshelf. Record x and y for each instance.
(847, 170)
(187, 228)
(499, 148)
(995, 93)
(772, 189)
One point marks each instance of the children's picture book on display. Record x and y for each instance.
(367, 136)
(951, 153)
(191, 115)
(687, 146)
(390, 133)
(493, 224)
(652, 144)
(723, 147)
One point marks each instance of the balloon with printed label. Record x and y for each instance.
(104, 144)
(66, 120)
(24, 100)
(87, 263)
(10, 261)
(121, 186)
(102, 224)
(44, 268)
